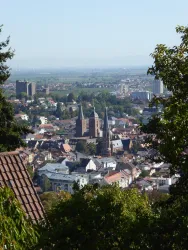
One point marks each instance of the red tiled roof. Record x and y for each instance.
(49, 126)
(63, 121)
(113, 177)
(13, 174)
(66, 148)
(38, 136)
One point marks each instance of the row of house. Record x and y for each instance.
(105, 171)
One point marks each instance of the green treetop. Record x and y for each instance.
(171, 127)
(16, 232)
(71, 97)
(97, 218)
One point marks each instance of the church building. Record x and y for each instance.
(106, 150)
(94, 125)
(80, 123)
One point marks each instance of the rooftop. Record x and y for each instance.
(53, 167)
(13, 174)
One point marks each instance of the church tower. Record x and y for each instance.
(80, 123)
(94, 124)
(106, 150)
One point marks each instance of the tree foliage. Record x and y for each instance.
(71, 97)
(59, 110)
(144, 173)
(97, 218)
(10, 131)
(16, 231)
(87, 148)
(168, 134)
(171, 127)
(50, 199)
(81, 146)
(46, 185)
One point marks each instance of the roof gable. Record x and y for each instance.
(84, 162)
(113, 176)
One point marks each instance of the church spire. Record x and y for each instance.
(80, 123)
(80, 115)
(106, 124)
(106, 136)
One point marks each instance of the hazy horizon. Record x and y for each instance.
(89, 34)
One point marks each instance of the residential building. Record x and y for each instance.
(43, 119)
(124, 166)
(53, 168)
(168, 180)
(23, 117)
(48, 127)
(116, 145)
(44, 90)
(65, 182)
(29, 137)
(141, 95)
(57, 174)
(43, 156)
(88, 165)
(26, 155)
(113, 177)
(66, 148)
(105, 163)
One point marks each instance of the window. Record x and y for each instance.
(66, 187)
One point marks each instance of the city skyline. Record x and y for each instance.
(80, 34)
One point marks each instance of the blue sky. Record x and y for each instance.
(89, 33)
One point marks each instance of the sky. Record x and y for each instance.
(89, 33)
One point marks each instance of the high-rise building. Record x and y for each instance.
(25, 87)
(157, 87)
(32, 89)
(106, 149)
(123, 89)
(21, 87)
(80, 123)
(94, 124)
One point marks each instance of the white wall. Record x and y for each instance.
(91, 166)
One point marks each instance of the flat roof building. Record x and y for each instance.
(157, 87)
(25, 87)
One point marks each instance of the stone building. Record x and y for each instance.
(94, 124)
(106, 149)
(80, 123)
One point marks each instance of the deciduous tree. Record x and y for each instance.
(16, 231)
(171, 127)
(98, 218)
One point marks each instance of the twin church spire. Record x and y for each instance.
(80, 123)
(94, 128)
(80, 114)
